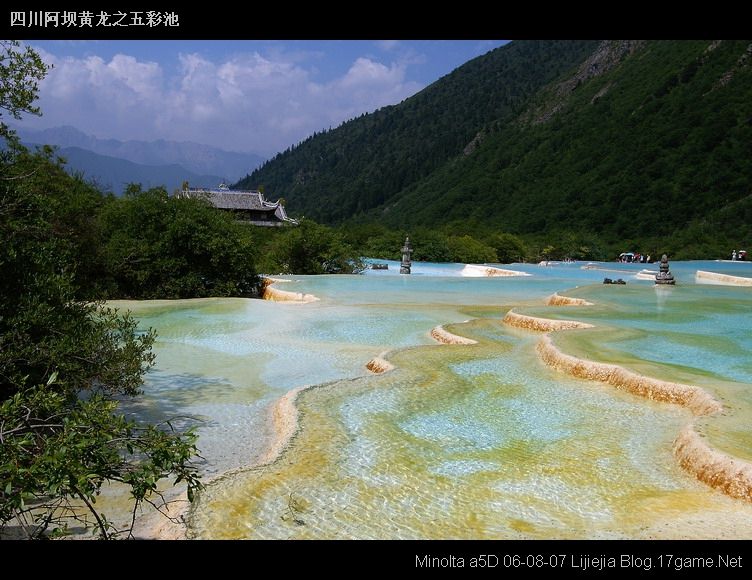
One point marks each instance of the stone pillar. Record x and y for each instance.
(664, 276)
(406, 264)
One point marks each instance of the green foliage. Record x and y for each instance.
(466, 249)
(67, 207)
(429, 246)
(629, 159)
(21, 69)
(311, 248)
(144, 245)
(57, 453)
(509, 248)
(374, 240)
(635, 154)
(156, 246)
(451, 243)
(65, 362)
(560, 245)
(39, 315)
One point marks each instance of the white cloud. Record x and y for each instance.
(367, 72)
(248, 102)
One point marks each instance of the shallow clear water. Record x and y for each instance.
(458, 441)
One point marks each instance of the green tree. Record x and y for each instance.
(466, 249)
(429, 246)
(156, 246)
(509, 248)
(65, 362)
(21, 69)
(72, 211)
(311, 248)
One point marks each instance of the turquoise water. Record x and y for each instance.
(459, 441)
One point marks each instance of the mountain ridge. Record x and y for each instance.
(197, 158)
(112, 174)
(626, 141)
(368, 160)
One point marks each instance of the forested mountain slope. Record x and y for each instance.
(368, 161)
(661, 140)
(624, 140)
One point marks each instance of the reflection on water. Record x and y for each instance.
(458, 441)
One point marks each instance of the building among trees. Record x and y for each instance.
(245, 205)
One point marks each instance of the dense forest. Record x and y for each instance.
(604, 146)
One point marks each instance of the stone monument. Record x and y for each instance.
(406, 264)
(664, 276)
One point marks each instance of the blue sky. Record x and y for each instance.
(253, 96)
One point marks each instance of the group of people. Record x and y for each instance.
(738, 255)
(629, 257)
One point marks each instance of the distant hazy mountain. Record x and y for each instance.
(113, 174)
(196, 158)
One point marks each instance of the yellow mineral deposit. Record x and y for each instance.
(730, 475)
(719, 470)
(542, 324)
(440, 334)
(284, 418)
(379, 365)
(694, 398)
(558, 300)
(479, 442)
(269, 292)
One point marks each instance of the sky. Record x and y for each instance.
(249, 96)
